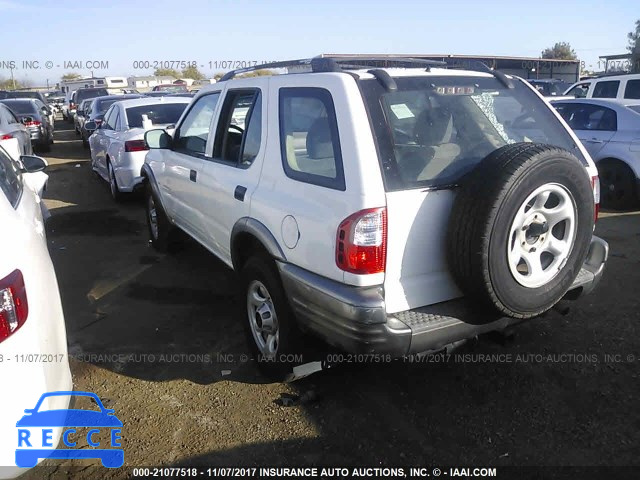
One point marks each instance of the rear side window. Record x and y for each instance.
(10, 179)
(192, 134)
(582, 116)
(608, 89)
(309, 140)
(633, 89)
(239, 132)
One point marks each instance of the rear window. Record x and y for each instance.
(633, 89)
(159, 114)
(433, 130)
(21, 107)
(83, 94)
(608, 89)
(10, 180)
(23, 95)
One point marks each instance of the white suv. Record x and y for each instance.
(385, 210)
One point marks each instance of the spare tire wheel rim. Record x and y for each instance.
(263, 320)
(542, 235)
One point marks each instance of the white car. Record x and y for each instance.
(33, 342)
(117, 146)
(388, 211)
(12, 127)
(610, 131)
(621, 87)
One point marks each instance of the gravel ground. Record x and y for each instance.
(157, 338)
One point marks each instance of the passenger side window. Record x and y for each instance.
(309, 140)
(191, 137)
(608, 89)
(239, 132)
(10, 180)
(632, 89)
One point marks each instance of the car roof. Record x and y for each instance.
(16, 100)
(138, 102)
(605, 102)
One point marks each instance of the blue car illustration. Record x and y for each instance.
(28, 457)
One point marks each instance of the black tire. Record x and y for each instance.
(484, 212)
(261, 268)
(617, 185)
(116, 194)
(167, 235)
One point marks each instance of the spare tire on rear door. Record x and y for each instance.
(520, 229)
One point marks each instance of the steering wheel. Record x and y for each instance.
(236, 127)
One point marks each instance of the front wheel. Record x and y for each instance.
(162, 234)
(269, 323)
(617, 185)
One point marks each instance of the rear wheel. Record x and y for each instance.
(617, 185)
(270, 326)
(113, 184)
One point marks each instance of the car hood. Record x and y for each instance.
(69, 418)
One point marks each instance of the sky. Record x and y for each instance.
(127, 34)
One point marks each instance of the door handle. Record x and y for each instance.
(239, 193)
(193, 175)
(595, 140)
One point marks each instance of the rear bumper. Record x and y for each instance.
(354, 319)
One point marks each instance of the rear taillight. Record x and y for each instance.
(13, 304)
(72, 105)
(34, 123)
(98, 121)
(595, 184)
(135, 146)
(6, 137)
(361, 244)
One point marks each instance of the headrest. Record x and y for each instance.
(434, 126)
(319, 143)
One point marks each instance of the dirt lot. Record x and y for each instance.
(156, 337)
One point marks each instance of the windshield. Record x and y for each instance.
(159, 114)
(433, 130)
(21, 107)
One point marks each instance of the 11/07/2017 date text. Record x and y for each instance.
(184, 64)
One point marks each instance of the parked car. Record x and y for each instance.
(12, 127)
(159, 93)
(549, 87)
(387, 211)
(77, 96)
(118, 148)
(610, 131)
(56, 103)
(170, 88)
(79, 118)
(96, 111)
(35, 116)
(31, 317)
(23, 94)
(614, 86)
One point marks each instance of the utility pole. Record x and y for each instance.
(13, 81)
(47, 84)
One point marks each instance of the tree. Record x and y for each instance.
(634, 48)
(561, 51)
(9, 84)
(71, 76)
(166, 72)
(193, 73)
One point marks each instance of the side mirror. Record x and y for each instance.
(90, 126)
(158, 138)
(26, 119)
(32, 164)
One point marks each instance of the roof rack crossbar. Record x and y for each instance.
(337, 64)
(482, 67)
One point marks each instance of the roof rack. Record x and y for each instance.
(478, 66)
(338, 64)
